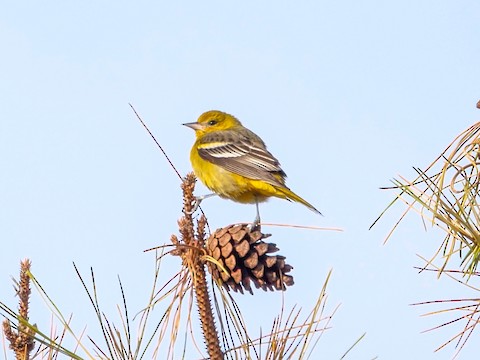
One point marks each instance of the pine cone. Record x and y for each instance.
(244, 255)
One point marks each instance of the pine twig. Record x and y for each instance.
(21, 341)
(191, 250)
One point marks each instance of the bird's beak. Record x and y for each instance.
(194, 125)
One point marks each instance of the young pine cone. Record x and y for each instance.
(244, 255)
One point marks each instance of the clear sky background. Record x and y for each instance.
(347, 94)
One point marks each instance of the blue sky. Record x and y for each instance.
(346, 94)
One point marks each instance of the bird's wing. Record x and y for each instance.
(242, 154)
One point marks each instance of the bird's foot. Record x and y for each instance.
(196, 203)
(256, 224)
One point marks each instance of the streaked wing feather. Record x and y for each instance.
(242, 156)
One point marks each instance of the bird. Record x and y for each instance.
(234, 163)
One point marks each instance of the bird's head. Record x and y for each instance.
(213, 120)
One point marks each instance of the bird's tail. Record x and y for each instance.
(290, 195)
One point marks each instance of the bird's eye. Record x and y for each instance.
(212, 122)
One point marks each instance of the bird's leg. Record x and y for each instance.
(198, 200)
(256, 222)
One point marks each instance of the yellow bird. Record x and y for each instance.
(235, 164)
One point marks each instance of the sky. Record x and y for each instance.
(346, 94)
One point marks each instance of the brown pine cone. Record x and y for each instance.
(245, 258)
